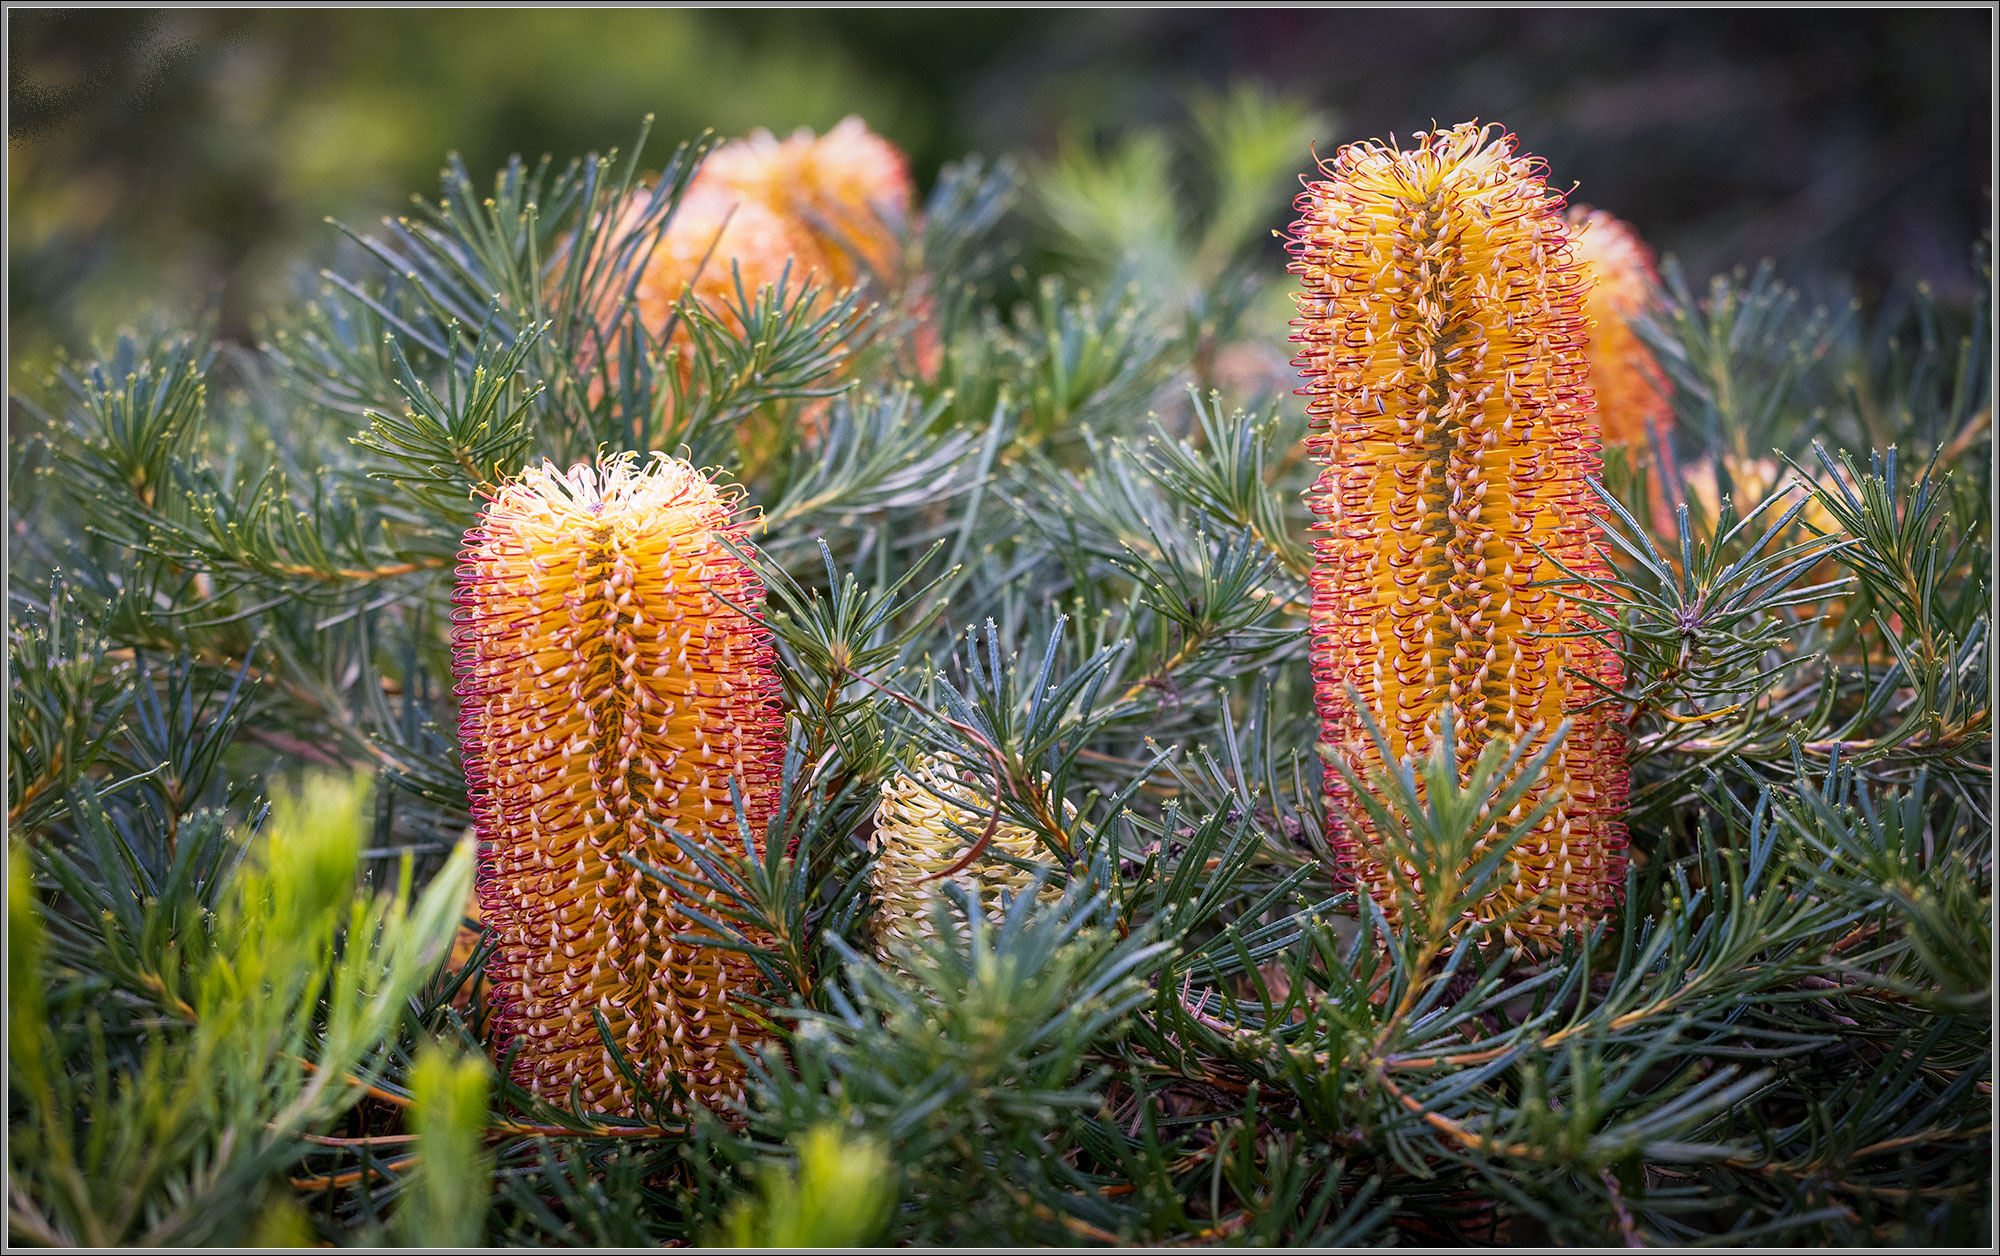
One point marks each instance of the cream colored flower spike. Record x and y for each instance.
(919, 834)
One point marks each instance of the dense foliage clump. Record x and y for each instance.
(1060, 558)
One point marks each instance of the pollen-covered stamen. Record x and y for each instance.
(611, 692)
(1441, 344)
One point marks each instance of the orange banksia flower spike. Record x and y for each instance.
(849, 191)
(711, 240)
(1442, 346)
(834, 208)
(1633, 410)
(611, 694)
(1630, 387)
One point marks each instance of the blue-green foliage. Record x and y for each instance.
(1074, 562)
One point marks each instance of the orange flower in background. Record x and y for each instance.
(1442, 345)
(611, 695)
(713, 238)
(1632, 391)
(849, 190)
(835, 208)
(1631, 388)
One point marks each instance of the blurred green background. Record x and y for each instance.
(180, 160)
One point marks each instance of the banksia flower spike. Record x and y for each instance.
(711, 240)
(612, 694)
(1442, 345)
(849, 191)
(924, 825)
(1631, 390)
(1630, 387)
(833, 208)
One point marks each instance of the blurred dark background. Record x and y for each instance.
(183, 159)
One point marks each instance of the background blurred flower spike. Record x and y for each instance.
(1634, 398)
(1631, 390)
(836, 208)
(849, 190)
(611, 695)
(835, 211)
(1442, 336)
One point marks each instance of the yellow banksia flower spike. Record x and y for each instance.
(1442, 346)
(925, 824)
(614, 687)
